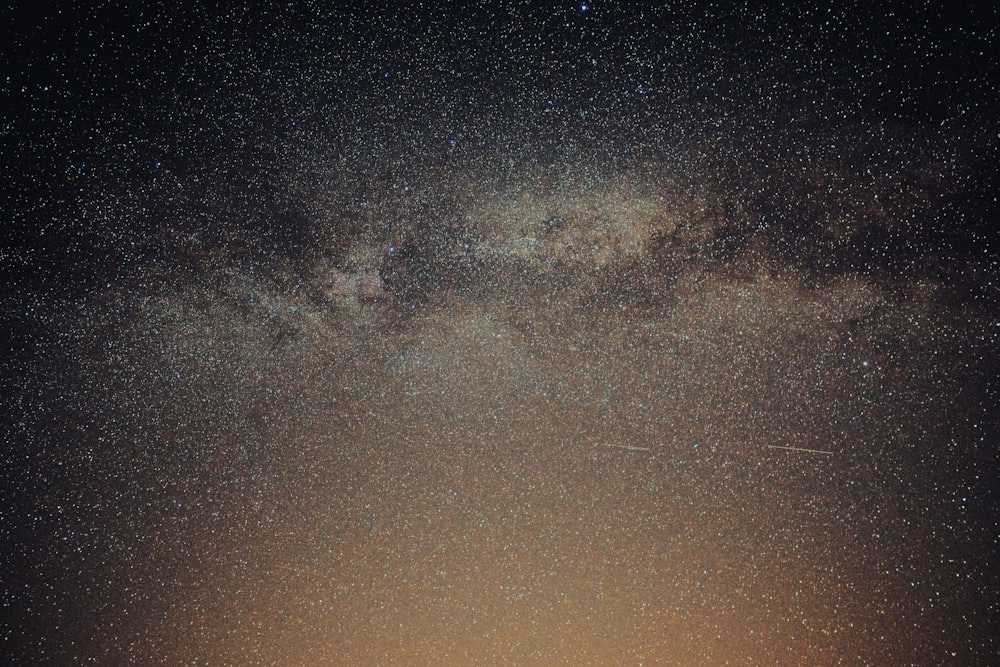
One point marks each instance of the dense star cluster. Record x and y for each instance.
(500, 333)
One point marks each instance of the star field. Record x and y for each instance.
(500, 333)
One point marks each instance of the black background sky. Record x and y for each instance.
(499, 333)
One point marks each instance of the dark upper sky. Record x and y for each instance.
(113, 98)
(499, 333)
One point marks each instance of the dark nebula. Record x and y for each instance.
(500, 333)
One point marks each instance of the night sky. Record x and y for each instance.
(500, 333)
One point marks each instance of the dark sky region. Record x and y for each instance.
(500, 333)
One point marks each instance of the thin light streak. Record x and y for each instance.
(801, 449)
